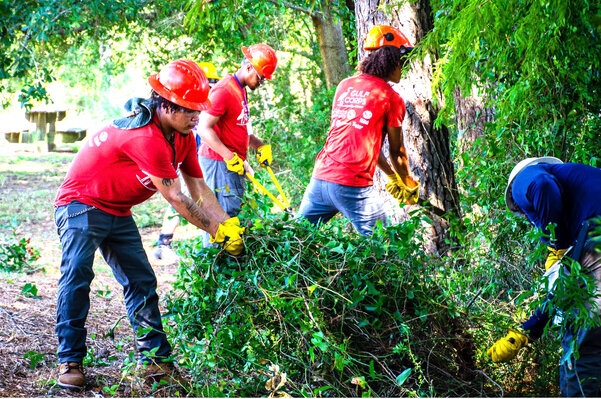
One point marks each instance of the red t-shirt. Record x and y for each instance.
(229, 103)
(111, 169)
(363, 106)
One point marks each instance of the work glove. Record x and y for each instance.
(229, 236)
(507, 348)
(554, 256)
(412, 194)
(264, 155)
(395, 186)
(235, 164)
(400, 191)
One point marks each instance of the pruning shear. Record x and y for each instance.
(285, 205)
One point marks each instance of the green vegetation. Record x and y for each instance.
(16, 255)
(323, 312)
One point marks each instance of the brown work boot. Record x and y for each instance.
(70, 375)
(157, 372)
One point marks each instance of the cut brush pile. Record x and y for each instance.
(319, 312)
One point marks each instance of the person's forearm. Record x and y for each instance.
(202, 195)
(400, 163)
(203, 215)
(210, 138)
(384, 165)
(254, 141)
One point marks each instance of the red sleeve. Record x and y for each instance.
(190, 165)
(396, 112)
(151, 155)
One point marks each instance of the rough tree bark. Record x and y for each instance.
(471, 116)
(428, 147)
(334, 56)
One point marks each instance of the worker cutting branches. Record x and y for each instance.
(560, 198)
(120, 166)
(226, 131)
(365, 111)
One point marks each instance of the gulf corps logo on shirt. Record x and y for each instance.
(352, 98)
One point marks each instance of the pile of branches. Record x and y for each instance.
(312, 311)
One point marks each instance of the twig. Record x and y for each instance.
(13, 320)
(491, 380)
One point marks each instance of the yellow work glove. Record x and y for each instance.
(507, 348)
(229, 236)
(395, 186)
(412, 194)
(236, 164)
(555, 255)
(400, 191)
(264, 155)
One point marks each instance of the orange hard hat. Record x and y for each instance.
(383, 35)
(262, 57)
(184, 83)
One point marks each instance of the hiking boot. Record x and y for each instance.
(70, 376)
(157, 372)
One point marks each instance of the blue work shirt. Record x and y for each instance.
(565, 194)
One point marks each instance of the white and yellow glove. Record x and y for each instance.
(229, 236)
(554, 256)
(264, 155)
(507, 348)
(235, 164)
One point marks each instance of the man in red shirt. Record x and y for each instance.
(365, 109)
(120, 166)
(226, 132)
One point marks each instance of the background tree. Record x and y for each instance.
(427, 142)
(275, 20)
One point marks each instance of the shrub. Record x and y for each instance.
(16, 253)
(321, 313)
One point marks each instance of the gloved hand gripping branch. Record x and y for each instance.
(229, 236)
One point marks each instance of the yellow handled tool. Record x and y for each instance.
(286, 205)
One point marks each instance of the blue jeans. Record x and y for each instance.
(83, 229)
(582, 377)
(361, 205)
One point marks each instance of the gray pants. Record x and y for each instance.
(227, 186)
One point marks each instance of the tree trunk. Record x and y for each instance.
(427, 146)
(471, 116)
(332, 48)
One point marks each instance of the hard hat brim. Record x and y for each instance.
(167, 94)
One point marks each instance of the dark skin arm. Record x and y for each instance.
(398, 157)
(202, 210)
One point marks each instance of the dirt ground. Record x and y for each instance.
(28, 362)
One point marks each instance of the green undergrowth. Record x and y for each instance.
(320, 312)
